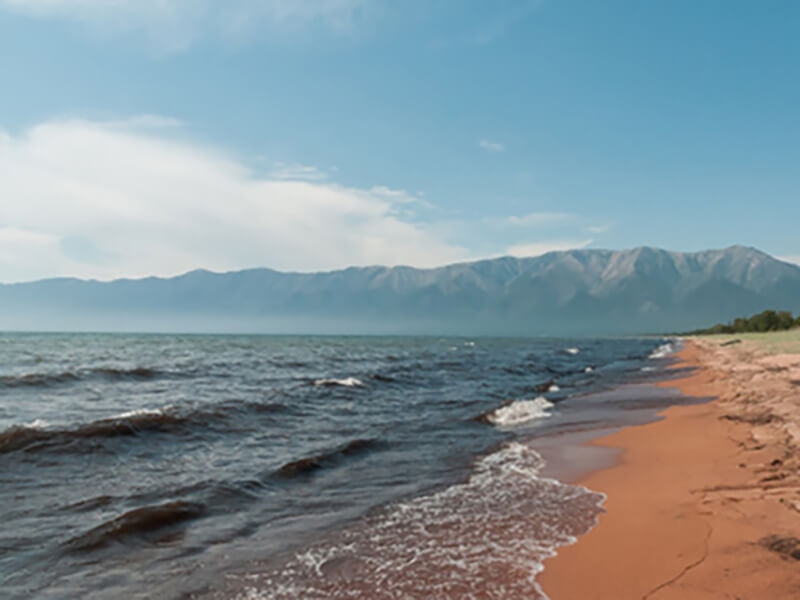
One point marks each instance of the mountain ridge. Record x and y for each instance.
(571, 292)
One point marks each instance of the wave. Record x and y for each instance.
(662, 351)
(572, 350)
(37, 379)
(139, 521)
(483, 538)
(134, 373)
(541, 388)
(346, 382)
(89, 504)
(52, 379)
(518, 412)
(383, 378)
(139, 413)
(310, 464)
(26, 437)
(168, 419)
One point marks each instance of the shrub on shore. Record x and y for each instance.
(768, 320)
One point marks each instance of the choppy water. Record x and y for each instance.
(292, 467)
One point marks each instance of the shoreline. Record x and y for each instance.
(700, 503)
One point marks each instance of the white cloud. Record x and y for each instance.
(598, 229)
(493, 147)
(539, 248)
(106, 200)
(501, 23)
(538, 218)
(296, 171)
(790, 259)
(173, 25)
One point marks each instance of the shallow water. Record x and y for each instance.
(233, 466)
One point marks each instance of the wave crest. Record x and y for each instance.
(310, 464)
(52, 379)
(22, 437)
(662, 351)
(519, 411)
(147, 519)
(346, 382)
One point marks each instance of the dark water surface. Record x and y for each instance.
(138, 466)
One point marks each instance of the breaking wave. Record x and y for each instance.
(518, 412)
(346, 382)
(484, 538)
(37, 435)
(662, 351)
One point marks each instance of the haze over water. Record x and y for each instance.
(157, 465)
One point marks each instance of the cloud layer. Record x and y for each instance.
(106, 200)
(172, 25)
(538, 248)
(490, 146)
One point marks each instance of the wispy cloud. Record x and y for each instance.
(493, 147)
(514, 13)
(173, 25)
(597, 229)
(135, 202)
(537, 219)
(297, 172)
(539, 248)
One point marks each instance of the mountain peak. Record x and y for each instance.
(575, 292)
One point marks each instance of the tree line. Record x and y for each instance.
(769, 320)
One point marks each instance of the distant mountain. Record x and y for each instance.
(577, 292)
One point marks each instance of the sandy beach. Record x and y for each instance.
(704, 503)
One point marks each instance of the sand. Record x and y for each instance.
(704, 503)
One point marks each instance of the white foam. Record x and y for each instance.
(346, 382)
(139, 412)
(554, 388)
(521, 411)
(36, 424)
(588, 370)
(484, 538)
(572, 350)
(470, 344)
(662, 351)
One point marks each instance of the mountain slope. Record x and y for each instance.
(574, 292)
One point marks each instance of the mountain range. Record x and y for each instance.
(575, 292)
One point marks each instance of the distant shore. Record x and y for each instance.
(705, 503)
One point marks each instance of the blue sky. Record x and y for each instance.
(158, 136)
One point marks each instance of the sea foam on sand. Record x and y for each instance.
(484, 538)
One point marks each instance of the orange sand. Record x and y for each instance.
(704, 503)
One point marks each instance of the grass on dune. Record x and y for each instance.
(773, 342)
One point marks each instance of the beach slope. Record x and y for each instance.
(704, 503)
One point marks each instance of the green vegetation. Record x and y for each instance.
(772, 342)
(769, 320)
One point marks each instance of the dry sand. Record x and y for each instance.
(706, 502)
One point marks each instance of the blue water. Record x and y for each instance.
(171, 466)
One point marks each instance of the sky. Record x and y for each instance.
(153, 137)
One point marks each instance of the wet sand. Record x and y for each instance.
(704, 503)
